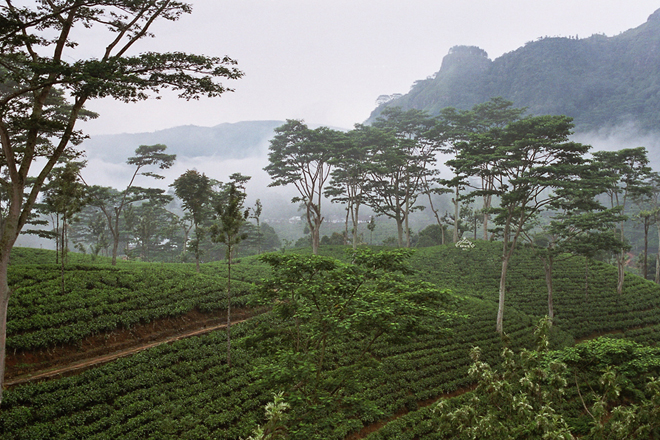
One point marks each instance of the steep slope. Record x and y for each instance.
(600, 81)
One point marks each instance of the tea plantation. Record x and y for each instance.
(185, 390)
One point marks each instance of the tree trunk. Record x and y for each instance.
(547, 265)
(399, 229)
(488, 198)
(115, 248)
(5, 293)
(356, 210)
(620, 265)
(456, 213)
(57, 239)
(437, 218)
(500, 307)
(348, 215)
(63, 247)
(7, 243)
(657, 257)
(229, 307)
(316, 237)
(646, 246)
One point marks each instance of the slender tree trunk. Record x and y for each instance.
(356, 210)
(437, 219)
(7, 240)
(399, 229)
(547, 265)
(645, 265)
(5, 293)
(229, 307)
(62, 258)
(348, 216)
(657, 258)
(57, 239)
(620, 265)
(500, 307)
(115, 240)
(456, 213)
(508, 247)
(488, 185)
(258, 236)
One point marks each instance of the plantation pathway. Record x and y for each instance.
(98, 360)
(376, 426)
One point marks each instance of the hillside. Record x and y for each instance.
(186, 390)
(224, 141)
(599, 81)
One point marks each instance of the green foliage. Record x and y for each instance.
(319, 302)
(100, 299)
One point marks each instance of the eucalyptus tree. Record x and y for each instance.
(195, 191)
(46, 83)
(301, 157)
(534, 158)
(403, 158)
(231, 216)
(631, 174)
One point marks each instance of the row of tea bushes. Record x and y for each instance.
(99, 299)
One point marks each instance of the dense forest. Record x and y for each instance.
(599, 81)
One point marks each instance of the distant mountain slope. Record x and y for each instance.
(600, 81)
(225, 141)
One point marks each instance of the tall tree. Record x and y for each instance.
(629, 170)
(65, 196)
(580, 225)
(349, 177)
(195, 191)
(231, 216)
(476, 131)
(112, 207)
(256, 215)
(534, 158)
(45, 85)
(300, 156)
(403, 157)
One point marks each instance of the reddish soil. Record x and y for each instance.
(362, 433)
(65, 360)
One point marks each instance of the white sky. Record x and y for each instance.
(326, 61)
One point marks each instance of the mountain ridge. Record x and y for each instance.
(600, 81)
(239, 140)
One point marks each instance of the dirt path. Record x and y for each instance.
(83, 364)
(376, 426)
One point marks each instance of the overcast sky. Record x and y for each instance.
(326, 61)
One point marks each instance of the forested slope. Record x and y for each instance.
(599, 81)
